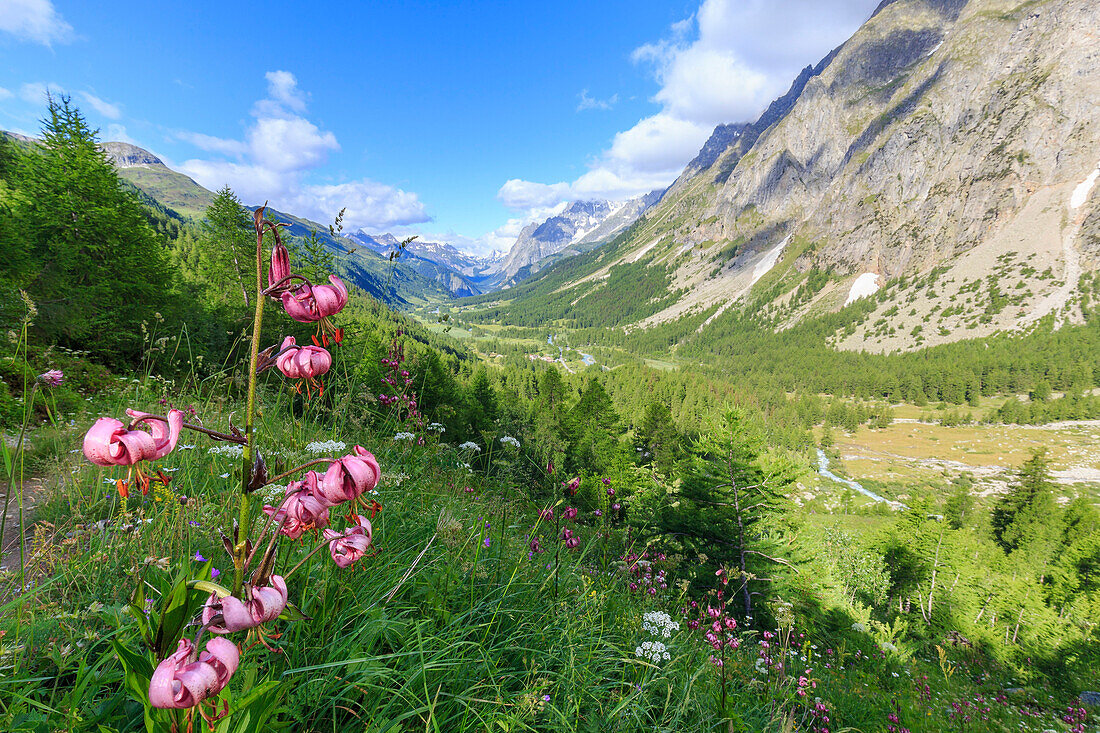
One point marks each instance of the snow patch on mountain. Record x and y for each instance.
(866, 284)
(1084, 188)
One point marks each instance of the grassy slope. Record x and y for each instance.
(438, 630)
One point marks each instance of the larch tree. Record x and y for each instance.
(99, 265)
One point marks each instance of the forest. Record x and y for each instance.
(621, 548)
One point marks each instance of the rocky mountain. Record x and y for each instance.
(461, 273)
(580, 227)
(938, 168)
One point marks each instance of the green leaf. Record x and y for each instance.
(209, 586)
(173, 616)
(293, 613)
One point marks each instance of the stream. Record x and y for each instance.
(823, 469)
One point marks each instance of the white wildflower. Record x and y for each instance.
(857, 626)
(659, 623)
(405, 436)
(509, 440)
(654, 651)
(326, 446)
(470, 445)
(273, 493)
(230, 449)
(887, 647)
(437, 428)
(395, 478)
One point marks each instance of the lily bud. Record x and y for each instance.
(280, 266)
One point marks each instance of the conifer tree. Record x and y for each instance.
(592, 430)
(729, 498)
(658, 438)
(1027, 520)
(227, 246)
(99, 267)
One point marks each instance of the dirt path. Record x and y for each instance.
(34, 490)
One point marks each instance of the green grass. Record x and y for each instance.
(437, 631)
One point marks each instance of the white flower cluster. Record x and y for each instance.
(273, 493)
(887, 647)
(659, 623)
(857, 626)
(229, 449)
(405, 436)
(326, 446)
(395, 478)
(509, 440)
(437, 428)
(654, 651)
(470, 445)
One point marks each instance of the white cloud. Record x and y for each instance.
(723, 64)
(212, 144)
(103, 107)
(370, 205)
(517, 194)
(117, 133)
(34, 20)
(281, 147)
(290, 144)
(589, 102)
(282, 87)
(35, 92)
(5, 94)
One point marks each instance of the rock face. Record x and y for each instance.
(125, 155)
(582, 225)
(943, 140)
(462, 274)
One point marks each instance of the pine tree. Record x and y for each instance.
(227, 247)
(100, 269)
(728, 499)
(658, 438)
(1026, 520)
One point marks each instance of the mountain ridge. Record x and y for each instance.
(926, 164)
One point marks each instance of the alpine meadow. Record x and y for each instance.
(722, 366)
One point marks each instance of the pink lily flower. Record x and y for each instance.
(302, 362)
(52, 378)
(317, 304)
(302, 510)
(348, 477)
(111, 442)
(183, 681)
(229, 614)
(350, 545)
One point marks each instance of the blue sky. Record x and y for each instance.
(460, 121)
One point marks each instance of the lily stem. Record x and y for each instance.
(250, 416)
(296, 469)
